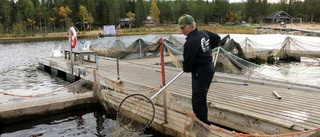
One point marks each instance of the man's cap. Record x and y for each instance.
(185, 20)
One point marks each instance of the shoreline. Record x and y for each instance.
(157, 30)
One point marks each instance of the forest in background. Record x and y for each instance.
(24, 17)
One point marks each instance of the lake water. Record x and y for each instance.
(86, 123)
(19, 76)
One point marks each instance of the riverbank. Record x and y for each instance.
(236, 29)
(227, 29)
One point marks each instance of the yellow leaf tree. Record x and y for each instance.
(132, 18)
(154, 12)
(64, 14)
(85, 16)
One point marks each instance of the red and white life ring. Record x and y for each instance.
(72, 36)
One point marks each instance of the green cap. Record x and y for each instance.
(185, 20)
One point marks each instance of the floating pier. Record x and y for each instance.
(14, 112)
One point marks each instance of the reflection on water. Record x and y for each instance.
(24, 82)
(76, 123)
(85, 123)
(305, 73)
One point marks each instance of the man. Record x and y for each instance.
(197, 57)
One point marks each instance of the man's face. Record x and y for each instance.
(186, 29)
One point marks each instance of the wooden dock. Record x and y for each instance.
(291, 29)
(235, 103)
(251, 108)
(32, 108)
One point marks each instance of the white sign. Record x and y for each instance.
(109, 30)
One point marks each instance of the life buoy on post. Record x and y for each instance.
(72, 36)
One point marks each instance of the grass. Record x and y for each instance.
(173, 30)
(169, 29)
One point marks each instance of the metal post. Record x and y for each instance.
(107, 48)
(97, 62)
(246, 44)
(118, 73)
(96, 87)
(71, 55)
(163, 79)
(162, 62)
(216, 58)
(140, 48)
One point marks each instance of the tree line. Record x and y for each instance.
(27, 16)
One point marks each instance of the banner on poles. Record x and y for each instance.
(109, 30)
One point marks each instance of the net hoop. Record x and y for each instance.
(140, 129)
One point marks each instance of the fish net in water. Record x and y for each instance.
(235, 58)
(137, 49)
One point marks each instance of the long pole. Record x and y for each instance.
(118, 72)
(163, 88)
(140, 48)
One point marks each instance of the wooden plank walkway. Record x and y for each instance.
(31, 108)
(249, 109)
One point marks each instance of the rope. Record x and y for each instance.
(172, 49)
(192, 115)
(261, 45)
(175, 60)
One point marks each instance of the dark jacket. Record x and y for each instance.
(197, 49)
